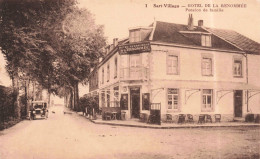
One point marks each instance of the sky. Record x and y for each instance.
(118, 16)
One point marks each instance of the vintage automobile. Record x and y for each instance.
(39, 109)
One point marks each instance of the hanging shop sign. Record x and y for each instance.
(134, 48)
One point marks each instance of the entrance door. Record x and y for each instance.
(238, 102)
(135, 102)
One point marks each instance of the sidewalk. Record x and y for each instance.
(137, 123)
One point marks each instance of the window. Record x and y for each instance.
(108, 72)
(103, 101)
(135, 65)
(172, 64)
(206, 66)
(96, 79)
(116, 96)
(146, 101)
(103, 74)
(115, 72)
(173, 99)
(135, 35)
(206, 40)
(108, 98)
(237, 68)
(207, 100)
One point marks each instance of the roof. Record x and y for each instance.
(169, 32)
(221, 38)
(237, 39)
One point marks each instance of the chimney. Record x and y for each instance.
(107, 49)
(115, 42)
(200, 23)
(190, 22)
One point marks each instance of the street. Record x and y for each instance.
(70, 136)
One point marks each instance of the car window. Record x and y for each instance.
(37, 106)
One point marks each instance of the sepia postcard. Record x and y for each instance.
(129, 79)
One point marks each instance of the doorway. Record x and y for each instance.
(238, 102)
(135, 102)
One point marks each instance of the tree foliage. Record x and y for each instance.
(52, 42)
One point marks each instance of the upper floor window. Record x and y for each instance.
(135, 70)
(172, 64)
(173, 99)
(134, 36)
(206, 66)
(108, 72)
(115, 71)
(207, 100)
(206, 40)
(103, 75)
(135, 60)
(237, 68)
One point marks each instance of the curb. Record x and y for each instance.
(171, 127)
(176, 127)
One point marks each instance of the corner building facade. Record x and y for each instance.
(181, 69)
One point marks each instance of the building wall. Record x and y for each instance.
(125, 85)
(112, 79)
(254, 80)
(110, 82)
(190, 80)
(190, 64)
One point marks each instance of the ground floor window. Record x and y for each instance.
(103, 101)
(124, 102)
(146, 101)
(207, 100)
(108, 98)
(173, 99)
(116, 96)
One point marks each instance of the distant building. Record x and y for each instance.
(180, 69)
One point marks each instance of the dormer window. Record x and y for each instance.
(206, 40)
(135, 35)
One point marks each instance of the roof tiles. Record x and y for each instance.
(170, 32)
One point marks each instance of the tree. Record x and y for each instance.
(51, 42)
(27, 27)
(82, 44)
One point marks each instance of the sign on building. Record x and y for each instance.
(135, 48)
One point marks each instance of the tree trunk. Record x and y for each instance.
(26, 88)
(17, 108)
(27, 97)
(76, 96)
(71, 98)
(49, 99)
(33, 95)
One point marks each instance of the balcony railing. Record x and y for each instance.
(114, 104)
(134, 73)
(111, 104)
